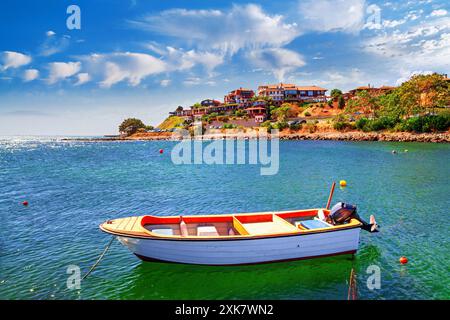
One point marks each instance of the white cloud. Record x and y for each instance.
(123, 66)
(439, 13)
(393, 23)
(62, 70)
(179, 59)
(279, 61)
(82, 78)
(413, 15)
(408, 74)
(112, 68)
(342, 79)
(164, 82)
(50, 33)
(425, 45)
(193, 81)
(54, 44)
(11, 59)
(332, 15)
(242, 26)
(217, 35)
(30, 75)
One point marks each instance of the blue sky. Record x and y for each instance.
(143, 58)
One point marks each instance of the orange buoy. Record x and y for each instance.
(161, 150)
(403, 260)
(25, 203)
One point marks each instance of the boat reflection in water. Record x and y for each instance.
(321, 278)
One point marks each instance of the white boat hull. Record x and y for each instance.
(248, 251)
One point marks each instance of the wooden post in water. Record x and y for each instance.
(331, 195)
(352, 288)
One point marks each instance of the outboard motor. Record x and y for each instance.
(343, 212)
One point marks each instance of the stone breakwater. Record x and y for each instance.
(338, 136)
(370, 136)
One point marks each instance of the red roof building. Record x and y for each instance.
(241, 96)
(287, 92)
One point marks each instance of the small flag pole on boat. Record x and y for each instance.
(331, 195)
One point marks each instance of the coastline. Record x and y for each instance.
(442, 137)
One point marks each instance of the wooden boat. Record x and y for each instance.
(245, 238)
(234, 239)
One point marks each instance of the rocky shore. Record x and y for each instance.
(371, 136)
(443, 137)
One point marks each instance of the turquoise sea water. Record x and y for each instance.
(74, 186)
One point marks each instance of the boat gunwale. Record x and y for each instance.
(153, 236)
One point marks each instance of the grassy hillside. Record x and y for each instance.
(170, 123)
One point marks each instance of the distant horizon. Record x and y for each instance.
(142, 60)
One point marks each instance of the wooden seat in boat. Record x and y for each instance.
(206, 231)
(314, 224)
(163, 231)
(274, 225)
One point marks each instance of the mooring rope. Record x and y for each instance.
(352, 289)
(99, 259)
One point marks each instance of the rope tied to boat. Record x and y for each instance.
(99, 259)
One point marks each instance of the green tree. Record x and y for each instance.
(366, 102)
(335, 94)
(281, 113)
(422, 92)
(131, 125)
(341, 102)
(390, 106)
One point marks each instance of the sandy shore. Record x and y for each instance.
(443, 137)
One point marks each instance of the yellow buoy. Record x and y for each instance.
(343, 183)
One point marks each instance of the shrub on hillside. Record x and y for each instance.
(229, 126)
(295, 126)
(340, 125)
(223, 118)
(378, 124)
(431, 123)
(311, 127)
(240, 113)
(361, 123)
(280, 125)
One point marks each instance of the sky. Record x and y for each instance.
(136, 58)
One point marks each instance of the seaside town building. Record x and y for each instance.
(286, 92)
(446, 78)
(242, 97)
(210, 103)
(259, 113)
